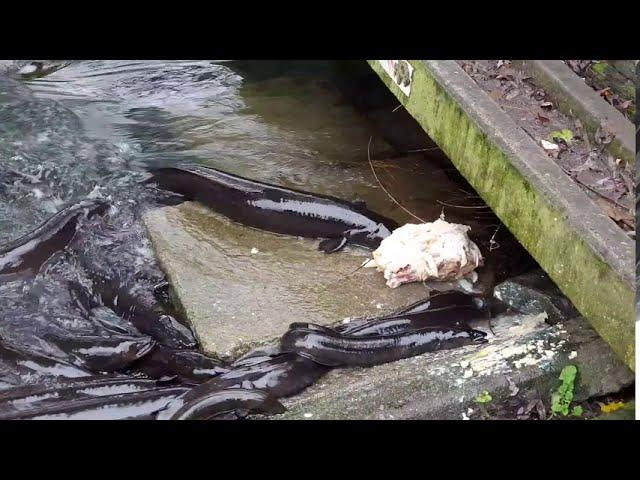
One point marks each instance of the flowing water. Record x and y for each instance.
(90, 127)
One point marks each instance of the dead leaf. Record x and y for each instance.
(513, 390)
(603, 136)
(512, 94)
(507, 74)
(605, 92)
(588, 164)
(539, 95)
(623, 106)
(536, 404)
(611, 407)
(616, 213)
(581, 134)
(562, 144)
(579, 66)
(542, 119)
(496, 94)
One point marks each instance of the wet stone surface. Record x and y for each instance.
(239, 286)
(520, 364)
(534, 293)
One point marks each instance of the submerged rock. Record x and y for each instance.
(534, 293)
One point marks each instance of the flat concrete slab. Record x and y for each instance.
(521, 363)
(235, 298)
(580, 248)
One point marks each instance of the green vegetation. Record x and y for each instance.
(484, 397)
(561, 399)
(564, 134)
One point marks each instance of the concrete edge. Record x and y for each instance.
(574, 97)
(593, 259)
(434, 386)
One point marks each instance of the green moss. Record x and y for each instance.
(605, 299)
(599, 68)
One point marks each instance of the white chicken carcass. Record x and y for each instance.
(429, 251)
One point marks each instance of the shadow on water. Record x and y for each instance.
(98, 125)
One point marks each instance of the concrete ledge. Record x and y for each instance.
(574, 97)
(521, 364)
(581, 249)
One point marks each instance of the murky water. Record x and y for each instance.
(99, 124)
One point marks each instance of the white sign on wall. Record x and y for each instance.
(401, 72)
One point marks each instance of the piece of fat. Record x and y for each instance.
(429, 251)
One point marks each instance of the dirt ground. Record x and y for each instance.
(614, 80)
(604, 178)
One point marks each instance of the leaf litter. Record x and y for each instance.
(605, 179)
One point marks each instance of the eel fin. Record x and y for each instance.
(331, 245)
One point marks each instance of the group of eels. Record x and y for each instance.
(148, 366)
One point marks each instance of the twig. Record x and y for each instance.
(363, 264)
(373, 170)
(423, 149)
(492, 242)
(396, 108)
(593, 189)
(461, 206)
(469, 194)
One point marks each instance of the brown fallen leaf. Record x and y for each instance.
(605, 92)
(622, 106)
(542, 119)
(581, 134)
(496, 94)
(579, 66)
(616, 214)
(512, 94)
(539, 95)
(603, 136)
(528, 410)
(506, 74)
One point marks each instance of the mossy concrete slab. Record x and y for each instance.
(240, 286)
(579, 247)
(521, 363)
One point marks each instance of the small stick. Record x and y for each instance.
(423, 149)
(363, 264)
(461, 206)
(594, 190)
(492, 242)
(382, 186)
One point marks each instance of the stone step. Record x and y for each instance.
(521, 363)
